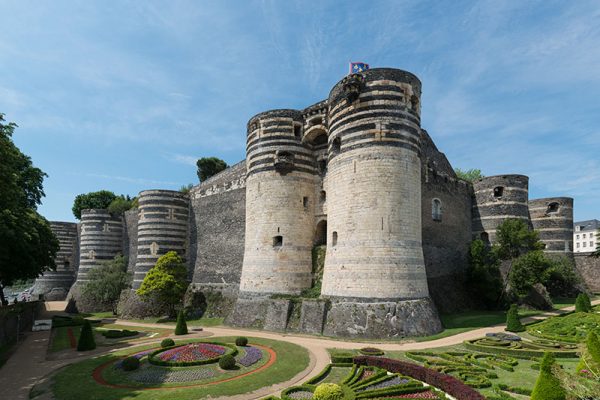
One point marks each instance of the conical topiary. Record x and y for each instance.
(86, 337)
(181, 328)
(513, 323)
(590, 357)
(593, 347)
(583, 303)
(547, 386)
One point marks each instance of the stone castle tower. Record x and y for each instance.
(354, 172)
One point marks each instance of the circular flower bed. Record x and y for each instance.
(191, 354)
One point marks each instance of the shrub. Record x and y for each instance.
(181, 328)
(328, 391)
(241, 341)
(593, 347)
(227, 362)
(547, 386)
(130, 363)
(116, 333)
(513, 323)
(86, 338)
(583, 303)
(168, 342)
(371, 351)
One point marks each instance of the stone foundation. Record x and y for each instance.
(340, 318)
(132, 306)
(589, 268)
(78, 303)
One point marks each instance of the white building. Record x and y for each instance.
(585, 236)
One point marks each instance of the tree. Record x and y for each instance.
(515, 238)
(181, 327)
(107, 281)
(86, 337)
(27, 244)
(121, 204)
(186, 188)
(470, 175)
(527, 270)
(483, 274)
(209, 166)
(100, 199)
(547, 386)
(513, 323)
(166, 281)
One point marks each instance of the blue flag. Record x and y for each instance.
(356, 67)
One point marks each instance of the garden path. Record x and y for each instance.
(28, 364)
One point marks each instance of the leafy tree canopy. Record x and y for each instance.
(483, 274)
(121, 204)
(107, 281)
(209, 166)
(470, 175)
(99, 199)
(515, 238)
(27, 244)
(166, 281)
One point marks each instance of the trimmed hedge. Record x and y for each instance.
(547, 386)
(518, 352)
(241, 341)
(285, 395)
(152, 359)
(371, 351)
(342, 357)
(130, 363)
(447, 383)
(227, 362)
(168, 342)
(181, 327)
(86, 338)
(328, 391)
(116, 333)
(513, 323)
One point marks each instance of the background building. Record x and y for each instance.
(585, 235)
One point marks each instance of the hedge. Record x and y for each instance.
(304, 388)
(116, 333)
(513, 352)
(447, 383)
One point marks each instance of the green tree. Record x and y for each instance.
(186, 188)
(470, 175)
(100, 199)
(515, 238)
(181, 327)
(209, 166)
(547, 386)
(527, 270)
(166, 281)
(483, 274)
(121, 204)
(107, 281)
(513, 323)
(27, 244)
(86, 337)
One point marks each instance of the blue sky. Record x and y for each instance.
(126, 95)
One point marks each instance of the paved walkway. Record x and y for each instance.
(28, 364)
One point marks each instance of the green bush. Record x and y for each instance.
(168, 342)
(547, 386)
(86, 338)
(328, 391)
(513, 323)
(116, 333)
(227, 362)
(181, 328)
(241, 341)
(342, 357)
(131, 363)
(583, 303)
(371, 351)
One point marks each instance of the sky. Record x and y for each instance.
(127, 95)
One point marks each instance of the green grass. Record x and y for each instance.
(161, 320)
(291, 359)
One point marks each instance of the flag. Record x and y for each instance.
(356, 67)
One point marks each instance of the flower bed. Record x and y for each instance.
(139, 356)
(158, 375)
(252, 356)
(191, 354)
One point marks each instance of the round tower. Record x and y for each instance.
(553, 219)
(55, 285)
(374, 185)
(162, 227)
(280, 200)
(101, 240)
(498, 198)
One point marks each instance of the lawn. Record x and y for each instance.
(161, 320)
(291, 359)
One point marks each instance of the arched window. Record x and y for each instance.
(485, 238)
(321, 234)
(436, 209)
(336, 145)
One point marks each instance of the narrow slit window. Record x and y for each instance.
(336, 145)
(297, 130)
(305, 202)
(323, 196)
(436, 209)
(334, 238)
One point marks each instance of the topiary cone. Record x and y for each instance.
(513, 323)
(547, 386)
(86, 337)
(181, 328)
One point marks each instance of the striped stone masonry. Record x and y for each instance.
(163, 220)
(498, 198)
(553, 218)
(101, 240)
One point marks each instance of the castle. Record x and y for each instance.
(355, 172)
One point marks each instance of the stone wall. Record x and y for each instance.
(553, 219)
(130, 238)
(16, 319)
(589, 268)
